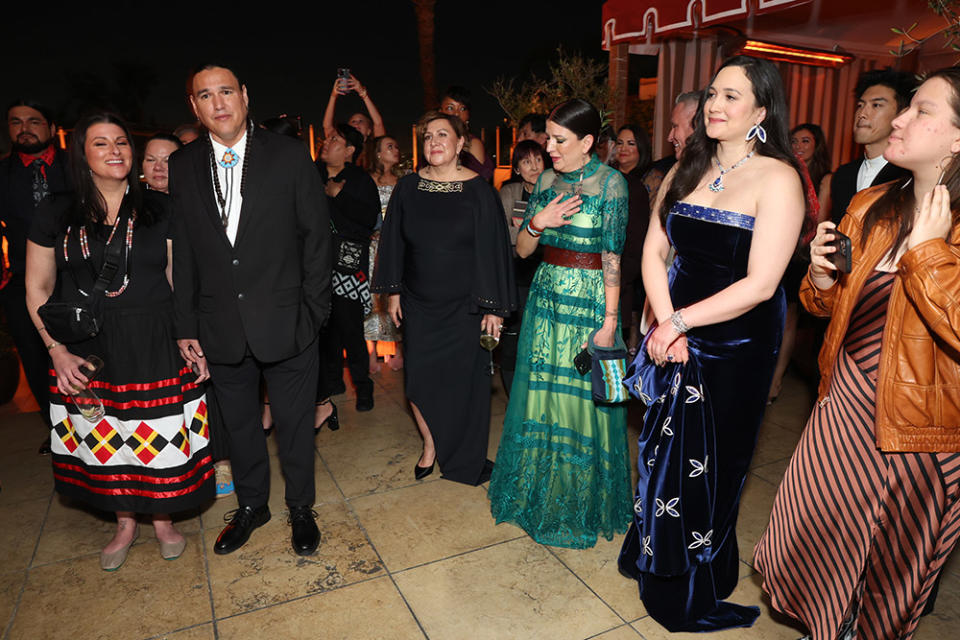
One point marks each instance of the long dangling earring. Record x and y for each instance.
(458, 162)
(757, 131)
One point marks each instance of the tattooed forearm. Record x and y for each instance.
(611, 268)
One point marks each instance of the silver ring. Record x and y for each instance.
(670, 357)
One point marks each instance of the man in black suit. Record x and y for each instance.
(34, 169)
(251, 272)
(881, 94)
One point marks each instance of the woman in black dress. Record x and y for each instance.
(149, 453)
(445, 260)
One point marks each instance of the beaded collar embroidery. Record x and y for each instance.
(434, 186)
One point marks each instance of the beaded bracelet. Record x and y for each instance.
(533, 229)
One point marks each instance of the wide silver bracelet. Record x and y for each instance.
(677, 321)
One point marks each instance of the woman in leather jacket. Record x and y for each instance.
(869, 507)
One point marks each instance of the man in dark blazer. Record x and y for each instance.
(881, 94)
(34, 168)
(251, 272)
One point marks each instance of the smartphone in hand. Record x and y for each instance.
(842, 258)
(343, 79)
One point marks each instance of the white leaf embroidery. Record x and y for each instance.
(700, 540)
(699, 468)
(676, 384)
(647, 549)
(693, 394)
(665, 429)
(669, 507)
(638, 506)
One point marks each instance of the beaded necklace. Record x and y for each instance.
(85, 252)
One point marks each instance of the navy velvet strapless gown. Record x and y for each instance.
(699, 432)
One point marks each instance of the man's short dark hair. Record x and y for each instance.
(44, 110)
(537, 122)
(902, 83)
(206, 66)
(352, 137)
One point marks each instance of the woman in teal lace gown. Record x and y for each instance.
(563, 469)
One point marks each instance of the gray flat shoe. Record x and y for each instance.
(172, 550)
(114, 560)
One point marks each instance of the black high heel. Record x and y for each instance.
(332, 421)
(419, 473)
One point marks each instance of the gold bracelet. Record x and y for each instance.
(41, 330)
(53, 345)
(363, 96)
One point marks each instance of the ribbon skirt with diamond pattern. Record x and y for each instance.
(150, 452)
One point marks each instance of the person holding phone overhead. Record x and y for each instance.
(869, 507)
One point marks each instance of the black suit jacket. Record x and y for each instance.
(270, 290)
(843, 185)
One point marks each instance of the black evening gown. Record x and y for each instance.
(445, 249)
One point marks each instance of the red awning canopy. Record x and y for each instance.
(632, 21)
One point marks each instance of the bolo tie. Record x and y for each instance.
(229, 160)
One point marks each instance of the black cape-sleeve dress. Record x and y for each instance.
(445, 249)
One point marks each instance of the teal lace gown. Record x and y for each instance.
(563, 470)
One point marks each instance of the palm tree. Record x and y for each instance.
(426, 24)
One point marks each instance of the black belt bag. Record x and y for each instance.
(70, 322)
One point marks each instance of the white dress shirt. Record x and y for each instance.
(230, 188)
(869, 169)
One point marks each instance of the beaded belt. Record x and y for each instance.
(568, 258)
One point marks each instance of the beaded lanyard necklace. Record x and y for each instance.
(229, 160)
(85, 252)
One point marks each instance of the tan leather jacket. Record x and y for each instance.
(918, 382)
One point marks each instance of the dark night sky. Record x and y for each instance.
(289, 61)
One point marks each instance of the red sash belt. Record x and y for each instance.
(568, 258)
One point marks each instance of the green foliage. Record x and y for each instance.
(949, 10)
(571, 76)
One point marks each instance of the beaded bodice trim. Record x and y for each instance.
(709, 214)
(433, 186)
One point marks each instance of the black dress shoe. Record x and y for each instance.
(305, 535)
(365, 402)
(44, 449)
(240, 524)
(419, 473)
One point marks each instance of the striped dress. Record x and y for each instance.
(857, 537)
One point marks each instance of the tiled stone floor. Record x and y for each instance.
(399, 559)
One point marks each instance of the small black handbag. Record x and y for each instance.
(79, 320)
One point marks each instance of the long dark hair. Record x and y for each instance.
(819, 164)
(700, 149)
(897, 203)
(90, 208)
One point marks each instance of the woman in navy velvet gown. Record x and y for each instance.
(732, 208)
